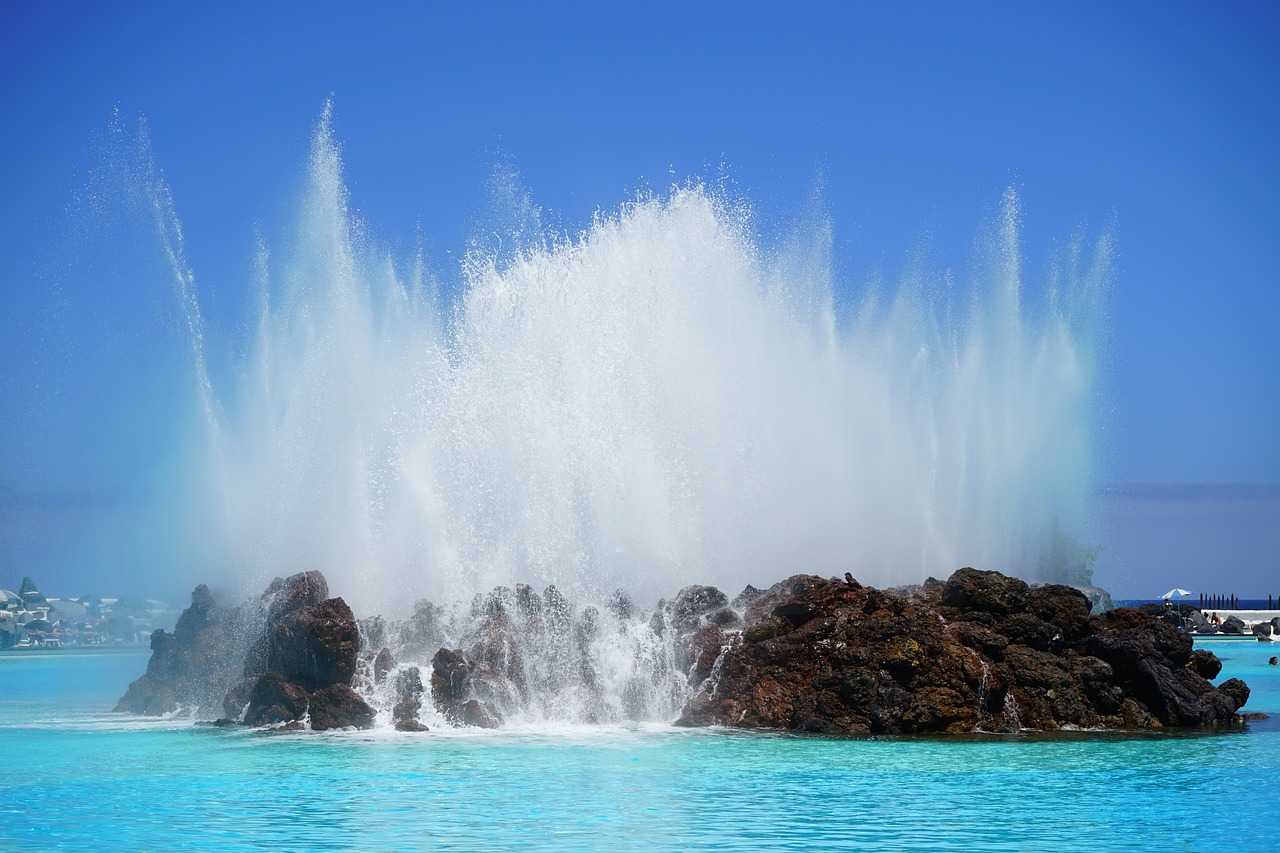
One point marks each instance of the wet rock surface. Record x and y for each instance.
(979, 651)
(272, 700)
(315, 645)
(337, 706)
(288, 655)
(408, 705)
(982, 651)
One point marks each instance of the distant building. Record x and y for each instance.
(30, 593)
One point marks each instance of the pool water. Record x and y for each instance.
(75, 776)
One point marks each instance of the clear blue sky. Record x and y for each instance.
(1159, 121)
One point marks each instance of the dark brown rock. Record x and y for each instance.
(1205, 663)
(315, 645)
(285, 595)
(991, 592)
(982, 652)
(273, 700)
(337, 706)
(454, 685)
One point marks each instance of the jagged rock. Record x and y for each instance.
(337, 706)
(692, 603)
(1233, 625)
(408, 700)
(985, 652)
(1065, 607)
(704, 649)
(285, 595)
(990, 592)
(478, 714)
(1261, 629)
(450, 681)
(273, 699)
(382, 664)
(315, 645)
(1205, 663)
(749, 594)
(453, 689)
(195, 665)
(1237, 690)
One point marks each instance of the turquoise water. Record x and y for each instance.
(77, 777)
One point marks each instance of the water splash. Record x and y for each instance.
(657, 400)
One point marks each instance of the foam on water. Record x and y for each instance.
(657, 400)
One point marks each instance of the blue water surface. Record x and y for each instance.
(77, 777)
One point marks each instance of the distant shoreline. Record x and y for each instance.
(72, 650)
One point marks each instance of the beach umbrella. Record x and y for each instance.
(1177, 592)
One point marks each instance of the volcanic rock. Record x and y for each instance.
(1205, 663)
(382, 664)
(315, 645)
(273, 699)
(989, 592)
(285, 595)
(690, 604)
(337, 706)
(195, 665)
(408, 700)
(1233, 625)
(984, 652)
(453, 689)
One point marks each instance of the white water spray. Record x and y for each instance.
(657, 401)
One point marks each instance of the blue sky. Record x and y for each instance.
(1156, 121)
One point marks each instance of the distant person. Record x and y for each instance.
(1214, 620)
(1273, 660)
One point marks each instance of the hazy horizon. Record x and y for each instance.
(1142, 553)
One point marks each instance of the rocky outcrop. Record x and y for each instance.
(454, 688)
(273, 700)
(337, 706)
(982, 651)
(1205, 663)
(285, 657)
(314, 645)
(193, 667)
(310, 642)
(408, 700)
